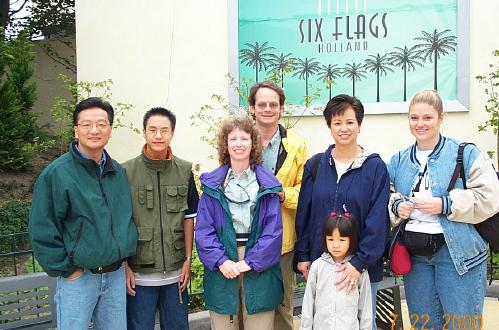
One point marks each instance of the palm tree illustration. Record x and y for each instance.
(304, 69)
(435, 45)
(257, 56)
(327, 73)
(407, 59)
(355, 72)
(282, 64)
(380, 65)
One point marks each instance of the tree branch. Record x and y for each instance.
(12, 12)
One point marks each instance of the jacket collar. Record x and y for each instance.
(215, 178)
(283, 153)
(327, 257)
(156, 164)
(436, 151)
(90, 163)
(357, 162)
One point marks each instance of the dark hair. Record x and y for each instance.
(346, 225)
(158, 111)
(265, 84)
(93, 102)
(341, 103)
(244, 123)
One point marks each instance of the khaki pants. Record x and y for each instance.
(284, 313)
(258, 321)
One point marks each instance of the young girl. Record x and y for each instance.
(323, 306)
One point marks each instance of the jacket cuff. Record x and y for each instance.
(69, 272)
(395, 205)
(221, 260)
(446, 205)
(357, 264)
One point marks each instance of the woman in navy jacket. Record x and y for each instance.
(348, 179)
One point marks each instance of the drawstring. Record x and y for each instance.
(179, 293)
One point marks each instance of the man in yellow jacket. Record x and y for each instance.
(284, 154)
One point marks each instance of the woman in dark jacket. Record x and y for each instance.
(347, 178)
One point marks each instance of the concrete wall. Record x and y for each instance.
(175, 54)
(46, 74)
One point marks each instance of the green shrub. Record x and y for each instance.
(32, 265)
(14, 219)
(17, 96)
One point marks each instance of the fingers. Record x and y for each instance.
(242, 266)
(350, 278)
(130, 286)
(183, 282)
(404, 209)
(130, 282)
(351, 285)
(304, 267)
(229, 269)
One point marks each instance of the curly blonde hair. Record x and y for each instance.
(245, 124)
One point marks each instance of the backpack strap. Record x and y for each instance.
(459, 169)
(315, 165)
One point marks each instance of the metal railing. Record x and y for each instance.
(12, 248)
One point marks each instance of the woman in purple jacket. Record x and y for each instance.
(239, 233)
(345, 178)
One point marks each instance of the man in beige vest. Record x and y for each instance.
(164, 202)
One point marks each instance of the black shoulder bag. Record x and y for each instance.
(488, 229)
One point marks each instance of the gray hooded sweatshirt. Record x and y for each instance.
(326, 308)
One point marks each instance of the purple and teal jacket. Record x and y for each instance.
(216, 242)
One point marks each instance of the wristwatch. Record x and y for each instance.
(189, 258)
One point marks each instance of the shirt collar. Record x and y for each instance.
(100, 163)
(232, 175)
(275, 138)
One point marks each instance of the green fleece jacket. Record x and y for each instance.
(79, 218)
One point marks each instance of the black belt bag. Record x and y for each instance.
(422, 244)
(107, 269)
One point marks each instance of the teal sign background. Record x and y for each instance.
(315, 37)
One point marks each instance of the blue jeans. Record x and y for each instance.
(437, 295)
(97, 297)
(374, 291)
(141, 309)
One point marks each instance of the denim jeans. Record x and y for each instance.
(141, 309)
(436, 294)
(374, 292)
(97, 297)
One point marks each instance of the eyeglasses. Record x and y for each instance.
(154, 131)
(87, 125)
(264, 105)
(241, 199)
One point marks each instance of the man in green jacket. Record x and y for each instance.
(284, 154)
(81, 227)
(165, 200)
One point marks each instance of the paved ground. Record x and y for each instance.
(490, 313)
(200, 321)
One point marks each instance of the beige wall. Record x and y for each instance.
(133, 46)
(47, 71)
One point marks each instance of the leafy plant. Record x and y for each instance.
(491, 81)
(32, 265)
(209, 116)
(14, 219)
(62, 110)
(17, 96)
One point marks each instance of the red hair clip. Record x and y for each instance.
(333, 214)
(347, 215)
